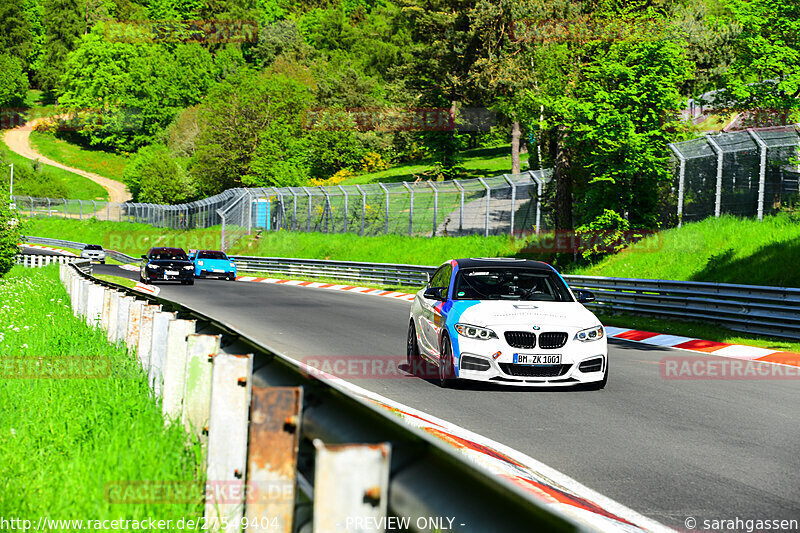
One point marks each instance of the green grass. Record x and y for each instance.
(47, 181)
(65, 440)
(696, 330)
(725, 250)
(478, 163)
(75, 155)
(119, 280)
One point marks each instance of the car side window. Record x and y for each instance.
(442, 277)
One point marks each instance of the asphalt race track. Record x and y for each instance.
(669, 449)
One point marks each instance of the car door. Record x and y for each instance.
(431, 316)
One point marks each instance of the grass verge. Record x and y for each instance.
(75, 155)
(65, 441)
(119, 280)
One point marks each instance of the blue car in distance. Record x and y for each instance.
(213, 263)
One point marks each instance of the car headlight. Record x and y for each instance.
(475, 332)
(233, 265)
(188, 267)
(154, 267)
(590, 334)
(200, 263)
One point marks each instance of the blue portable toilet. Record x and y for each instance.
(262, 212)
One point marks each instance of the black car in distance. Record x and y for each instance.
(166, 264)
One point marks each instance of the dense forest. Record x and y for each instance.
(210, 94)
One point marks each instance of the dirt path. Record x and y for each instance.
(18, 140)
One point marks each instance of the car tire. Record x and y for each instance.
(190, 282)
(141, 279)
(446, 374)
(412, 351)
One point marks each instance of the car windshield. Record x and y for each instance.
(165, 255)
(92, 247)
(510, 284)
(211, 255)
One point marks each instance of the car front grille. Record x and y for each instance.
(521, 339)
(550, 340)
(527, 371)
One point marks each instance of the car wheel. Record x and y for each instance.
(190, 282)
(412, 350)
(446, 374)
(141, 279)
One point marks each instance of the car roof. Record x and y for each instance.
(491, 262)
(165, 250)
(214, 251)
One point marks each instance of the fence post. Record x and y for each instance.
(294, 209)
(249, 214)
(718, 151)
(326, 211)
(681, 180)
(222, 230)
(410, 208)
(488, 199)
(386, 217)
(94, 209)
(31, 199)
(762, 170)
(460, 207)
(363, 207)
(65, 207)
(48, 208)
(344, 192)
(80, 214)
(513, 201)
(435, 207)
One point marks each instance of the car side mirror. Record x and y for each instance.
(144, 257)
(434, 293)
(584, 296)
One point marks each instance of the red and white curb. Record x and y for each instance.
(330, 286)
(49, 248)
(550, 487)
(722, 349)
(130, 267)
(149, 289)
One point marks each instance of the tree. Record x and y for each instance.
(15, 29)
(63, 23)
(155, 176)
(13, 81)
(765, 73)
(10, 236)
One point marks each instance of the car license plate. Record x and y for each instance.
(171, 272)
(532, 359)
(219, 270)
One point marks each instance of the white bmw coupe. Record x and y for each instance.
(506, 321)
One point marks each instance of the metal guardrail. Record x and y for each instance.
(755, 309)
(427, 478)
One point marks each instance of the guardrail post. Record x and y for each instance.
(410, 208)
(350, 480)
(123, 312)
(175, 368)
(762, 170)
(134, 324)
(200, 351)
(146, 335)
(113, 314)
(272, 457)
(363, 207)
(720, 155)
(158, 350)
(681, 180)
(94, 306)
(227, 437)
(435, 207)
(386, 218)
(488, 198)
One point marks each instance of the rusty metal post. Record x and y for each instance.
(272, 458)
(146, 335)
(351, 482)
(175, 368)
(197, 394)
(134, 324)
(227, 438)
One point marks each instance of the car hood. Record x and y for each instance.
(169, 262)
(218, 263)
(516, 313)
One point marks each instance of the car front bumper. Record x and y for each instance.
(161, 275)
